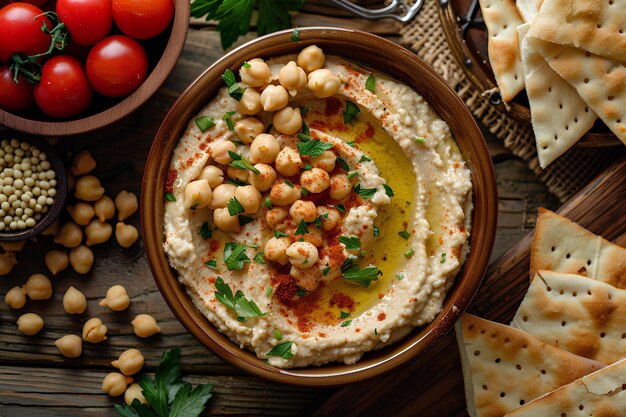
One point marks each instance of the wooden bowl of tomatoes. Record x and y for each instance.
(73, 66)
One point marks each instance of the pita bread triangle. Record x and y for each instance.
(504, 368)
(559, 116)
(528, 9)
(600, 394)
(561, 245)
(581, 315)
(502, 19)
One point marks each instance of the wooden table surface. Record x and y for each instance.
(35, 380)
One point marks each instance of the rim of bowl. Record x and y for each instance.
(165, 65)
(449, 107)
(59, 202)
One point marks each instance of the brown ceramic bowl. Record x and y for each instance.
(163, 52)
(386, 57)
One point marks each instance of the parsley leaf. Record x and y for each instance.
(282, 349)
(399, 277)
(326, 270)
(289, 183)
(404, 234)
(190, 402)
(234, 90)
(344, 314)
(376, 231)
(278, 233)
(240, 162)
(365, 192)
(246, 64)
(212, 263)
(204, 231)
(388, 190)
(258, 258)
(319, 220)
(443, 257)
(360, 276)
(274, 15)
(305, 134)
(313, 148)
(370, 83)
(352, 243)
(234, 207)
(341, 208)
(244, 220)
(204, 123)
(170, 196)
(238, 303)
(409, 253)
(302, 229)
(228, 119)
(351, 111)
(267, 203)
(278, 335)
(236, 182)
(295, 35)
(365, 158)
(417, 139)
(301, 292)
(346, 323)
(235, 255)
(342, 163)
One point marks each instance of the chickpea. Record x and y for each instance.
(7, 262)
(219, 151)
(292, 77)
(81, 213)
(264, 179)
(134, 391)
(88, 188)
(71, 182)
(303, 210)
(274, 98)
(126, 234)
(282, 194)
(116, 298)
(53, 229)
(70, 345)
(83, 163)
(238, 174)
(126, 204)
(288, 162)
(129, 362)
(145, 325)
(13, 246)
(340, 187)
(38, 287)
(287, 121)
(198, 194)
(276, 249)
(264, 149)
(74, 301)
(307, 279)
(213, 175)
(97, 232)
(81, 259)
(302, 254)
(249, 128)
(311, 58)
(315, 180)
(94, 331)
(330, 217)
(276, 216)
(256, 74)
(104, 208)
(115, 384)
(325, 161)
(221, 195)
(250, 103)
(314, 237)
(15, 297)
(224, 221)
(70, 235)
(30, 324)
(249, 197)
(324, 83)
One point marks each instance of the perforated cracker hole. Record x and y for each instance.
(543, 371)
(563, 323)
(549, 289)
(563, 415)
(498, 360)
(561, 106)
(574, 294)
(610, 2)
(525, 318)
(588, 292)
(586, 80)
(524, 346)
(588, 262)
(610, 98)
(507, 339)
(586, 109)
(549, 89)
(485, 387)
(522, 402)
(581, 407)
(602, 335)
(561, 292)
(623, 335)
(566, 127)
(470, 327)
(476, 353)
(518, 366)
(502, 395)
(482, 331)
(494, 335)
(568, 256)
(598, 25)
(587, 53)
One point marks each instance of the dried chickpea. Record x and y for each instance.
(88, 188)
(115, 384)
(256, 73)
(264, 149)
(134, 391)
(97, 232)
(83, 163)
(213, 175)
(129, 362)
(264, 179)
(116, 298)
(249, 128)
(219, 151)
(311, 58)
(274, 97)
(70, 345)
(13, 246)
(94, 331)
(81, 259)
(145, 325)
(292, 77)
(15, 297)
(126, 204)
(57, 261)
(74, 301)
(225, 222)
(81, 213)
(249, 197)
(198, 194)
(324, 83)
(288, 162)
(38, 287)
(104, 208)
(302, 254)
(250, 103)
(71, 182)
(221, 195)
(29, 324)
(287, 120)
(315, 180)
(276, 249)
(126, 234)
(70, 235)
(53, 229)
(7, 262)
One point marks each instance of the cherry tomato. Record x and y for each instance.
(88, 21)
(14, 96)
(116, 66)
(142, 19)
(37, 3)
(20, 30)
(64, 90)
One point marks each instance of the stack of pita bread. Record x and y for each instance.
(552, 360)
(570, 57)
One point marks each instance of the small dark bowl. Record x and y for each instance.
(163, 52)
(61, 187)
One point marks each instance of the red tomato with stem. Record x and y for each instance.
(20, 30)
(37, 3)
(14, 96)
(64, 90)
(88, 21)
(142, 19)
(116, 66)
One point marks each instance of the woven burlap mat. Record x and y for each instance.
(424, 35)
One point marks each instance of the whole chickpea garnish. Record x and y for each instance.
(237, 173)
(74, 301)
(83, 163)
(129, 362)
(213, 175)
(70, 235)
(288, 162)
(126, 204)
(115, 384)
(7, 262)
(256, 73)
(340, 187)
(302, 254)
(315, 180)
(104, 208)
(88, 188)
(274, 97)
(15, 297)
(221, 195)
(311, 58)
(53, 229)
(126, 234)
(264, 149)
(325, 161)
(225, 222)
(282, 194)
(303, 210)
(249, 197)
(330, 217)
(324, 83)
(249, 128)
(29, 324)
(219, 151)
(264, 179)
(38, 287)
(198, 194)
(250, 103)
(292, 77)
(134, 391)
(116, 298)
(276, 249)
(145, 325)
(70, 345)
(287, 121)
(81, 259)
(57, 261)
(275, 216)
(97, 232)
(94, 331)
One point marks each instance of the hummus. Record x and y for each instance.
(382, 270)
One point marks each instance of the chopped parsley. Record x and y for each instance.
(302, 229)
(320, 219)
(204, 231)
(404, 234)
(307, 167)
(326, 270)
(341, 208)
(351, 111)
(399, 277)
(301, 292)
(295, 37)
(236, 182)
(342, 163)
(365, 192)
(313, 148)
(235, 256)
(370, 83)
(278, 233)
(417, 139)
(267, 203)
(346, 323)
(246, 64)
(228, 119)
(243, 307)
(359, 276)
(234, 207)
(289, 183)
(234, 90)
(365, 158)
(204, 123)
(376, 231)
(211, 263)
(351, 243)
(351, 143)
(353, 174)
(258, 258)
(388, 190)
(278, 335)
(305, 134)
(375, 331)
(244, 220)
(304, 110)
(443, 258)
(304, 191)
(240, 162)
(409, 253)
(344, 314)
(282, 349)
(170, 196)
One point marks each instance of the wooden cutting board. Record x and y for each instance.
(432, 385)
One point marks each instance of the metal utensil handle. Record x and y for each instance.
(396, 9)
